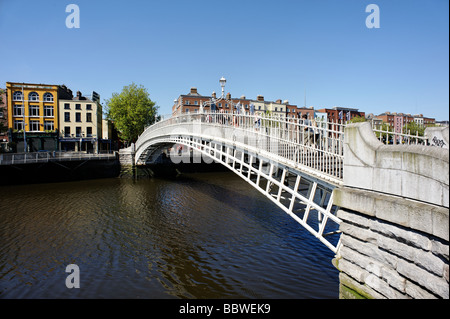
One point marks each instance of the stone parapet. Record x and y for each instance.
(410, 171)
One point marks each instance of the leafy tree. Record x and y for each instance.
(131, 111)
(358, 119)
(413, 128)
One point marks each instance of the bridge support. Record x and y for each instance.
(127, 161)
(394, 215)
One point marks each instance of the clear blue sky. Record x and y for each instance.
(277, 49)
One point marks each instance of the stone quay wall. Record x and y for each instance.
(395, 219)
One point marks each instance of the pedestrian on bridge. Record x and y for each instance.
(308, 131)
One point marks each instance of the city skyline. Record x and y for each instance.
(320, 51)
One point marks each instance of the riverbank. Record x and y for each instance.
(58, 171)
(75, 170)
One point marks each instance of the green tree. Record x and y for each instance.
(131, 111)
(358, 119)
(412, 128)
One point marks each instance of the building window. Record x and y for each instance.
(33, 96)
(17, 96)
(66, 116)
(18, 110)
(67, 106)
(34, 110)
(78, 131)
(89, 131)
(48, 111)
(187, 111)
(187, 102)
(34, 126)
(18, 125)
(88, 117)
(78, 106)
(48, 97)
(67, 131)
(196, 102)
(78, 117)
(88, 106)
(49, 126)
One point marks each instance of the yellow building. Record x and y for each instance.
(33, 115)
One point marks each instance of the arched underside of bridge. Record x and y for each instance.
(305, 198)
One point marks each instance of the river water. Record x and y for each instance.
(205, 235)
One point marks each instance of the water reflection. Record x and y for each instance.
(199, 236)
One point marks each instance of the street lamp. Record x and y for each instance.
(222, 84)
(214, 100)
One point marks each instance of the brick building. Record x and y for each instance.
(191, 102)
(341, 114)
(394, 119)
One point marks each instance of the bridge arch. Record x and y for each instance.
(263, 156)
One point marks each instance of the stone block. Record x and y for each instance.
(351, 289)
(383, 288)
(440, 222)
(397, 248)
(363, 234)
(432, 283)
(403, 235)
(353, 270)
(429, 262)
(392, 277)
(355, 200)
(369, 249)
(359, 176)
(418, 292)
(440, 249)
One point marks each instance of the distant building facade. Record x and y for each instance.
(341, 114)
(393, 119)
(80, 123)
(33, 115)
(193, 101)
(4, 139)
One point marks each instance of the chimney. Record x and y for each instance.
(193, 90)
(78, 94)
(278, 101)
(228, 96)
(213, 95)
(260, 98)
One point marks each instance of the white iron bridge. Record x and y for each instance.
(296, 165)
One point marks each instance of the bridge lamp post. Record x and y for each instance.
(222, 82)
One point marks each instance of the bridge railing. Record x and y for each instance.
(317, 146)
(387, 135)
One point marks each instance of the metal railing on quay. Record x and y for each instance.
(42, 157)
